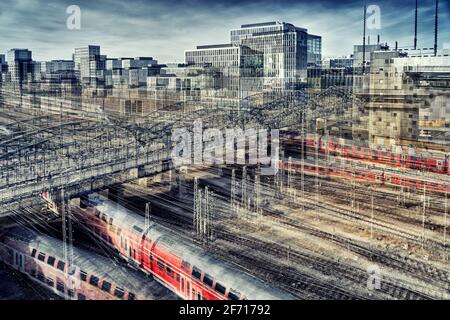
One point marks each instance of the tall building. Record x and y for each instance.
(19, 64)
(284, 48)
(314, 50)
(89, 64)
(3, 66)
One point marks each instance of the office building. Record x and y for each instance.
(284, 48)
(240, 68)
(314, 51)
(89, 64)
(19, 64)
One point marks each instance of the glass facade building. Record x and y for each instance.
(284, 48)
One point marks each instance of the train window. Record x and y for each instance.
(40, 276)
(131, 296)
(119, 293)
(50, 282)
(51, 261)
(59, 286)
(33, 253)
(93, 280)
(81, 296)
(160, 264)
(106, 286)
(151, 257)
(169, 271)
(207, 280)
(233, 295)
(61, 265)
(177, 278)
(219, 288)
(41, 256)
(185, 265)
(83, 275)
(196, 273)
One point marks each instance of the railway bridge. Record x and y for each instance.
(46, 151)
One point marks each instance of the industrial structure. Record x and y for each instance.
(336, 185)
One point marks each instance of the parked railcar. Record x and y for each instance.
(90, 277)
(178, 263)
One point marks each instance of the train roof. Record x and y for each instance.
(220, 270)
(91, 263)
(226, 273)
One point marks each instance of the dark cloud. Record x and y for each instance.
(165, 28)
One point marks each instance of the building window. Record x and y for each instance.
(33, 253)
(81, 296)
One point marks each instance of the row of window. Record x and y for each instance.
(208, 280)
(93, 280)
(59, 284)
(106, 286)
(50, 261)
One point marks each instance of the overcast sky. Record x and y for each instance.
(165, 28)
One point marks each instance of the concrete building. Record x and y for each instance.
(358, 54)
(403, 91)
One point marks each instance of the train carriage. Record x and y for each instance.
(91, 277)
(178, 263)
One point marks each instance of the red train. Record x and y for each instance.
(370, 175)
(92, 277)
(179, 264)
(431, 163)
